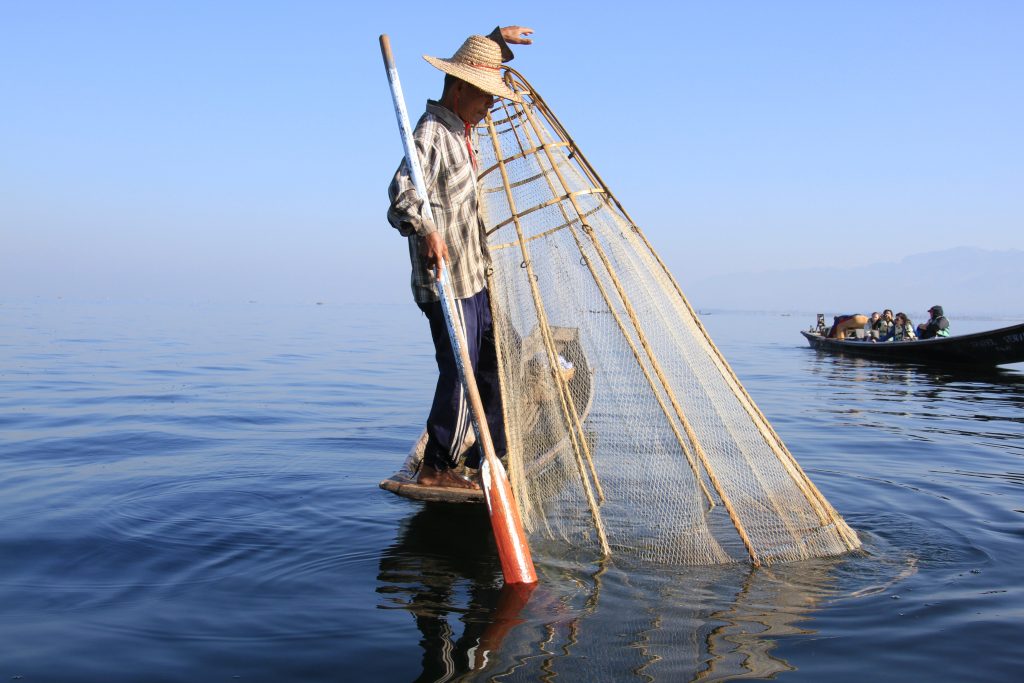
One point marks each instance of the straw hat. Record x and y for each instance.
(478, 62)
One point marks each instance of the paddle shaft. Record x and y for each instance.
(513, 551)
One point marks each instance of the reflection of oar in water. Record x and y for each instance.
(516, 563)
(504, 618)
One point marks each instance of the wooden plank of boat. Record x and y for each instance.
(403, 482)
(432, 494)
(980, 349)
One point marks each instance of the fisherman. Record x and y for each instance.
(445, 139)
(936, 326)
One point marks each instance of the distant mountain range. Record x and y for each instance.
(966, 281)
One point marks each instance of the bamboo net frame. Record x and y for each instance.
(628, 430)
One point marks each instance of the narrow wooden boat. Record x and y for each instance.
(580, 381)
(980, 349)
(403, 482)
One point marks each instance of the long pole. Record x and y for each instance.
(513, 551)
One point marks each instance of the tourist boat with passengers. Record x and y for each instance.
(979, 349)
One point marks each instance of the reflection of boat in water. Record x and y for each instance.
(980, 349)
(534, 366)
(620, 622)
(682, 624)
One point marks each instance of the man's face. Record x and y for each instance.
(473, 103)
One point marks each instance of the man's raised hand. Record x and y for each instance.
(517, 35)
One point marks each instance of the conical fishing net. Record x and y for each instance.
(628, 432)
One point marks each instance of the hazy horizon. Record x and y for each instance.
(771, 291)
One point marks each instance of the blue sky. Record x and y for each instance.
(241, 150)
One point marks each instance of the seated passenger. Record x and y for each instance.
(907, 333)
(901, 329)
(871, 328)
(885, 323)
(841, 324)
(937, 325)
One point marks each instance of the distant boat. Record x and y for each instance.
(980, 349)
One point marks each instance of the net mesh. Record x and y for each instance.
(628, 432)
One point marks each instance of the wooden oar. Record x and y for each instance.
(513, 551)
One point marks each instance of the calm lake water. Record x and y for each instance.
(189, 493)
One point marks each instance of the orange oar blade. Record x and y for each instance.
(514, 553)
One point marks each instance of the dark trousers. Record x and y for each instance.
(449, 420)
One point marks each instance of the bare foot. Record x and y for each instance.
(431, 476)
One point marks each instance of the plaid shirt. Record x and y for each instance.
(450, 176)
